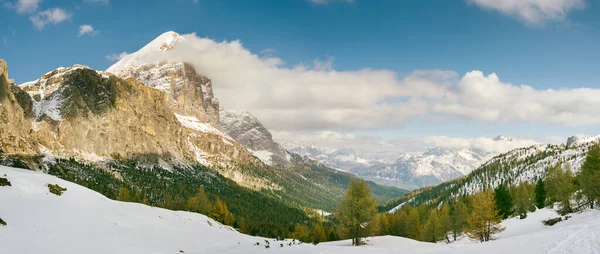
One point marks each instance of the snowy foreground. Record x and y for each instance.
(83, 221)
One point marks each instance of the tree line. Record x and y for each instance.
(477, 216)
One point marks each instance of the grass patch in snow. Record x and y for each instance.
(2, 222)
(56, 189)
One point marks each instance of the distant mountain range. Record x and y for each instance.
(434, 166)
(522, 164)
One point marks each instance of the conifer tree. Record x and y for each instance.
(458, 218)
(540, 194)
(484, 220)
(445, 224)
(124, 194)
(357, 210)
(504, 201)
(432, 229)
(523, 200)
(560, 187)
(199, 203)
(589, 178)
(413, 225)
(221, 214)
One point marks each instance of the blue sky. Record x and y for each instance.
(557, 50)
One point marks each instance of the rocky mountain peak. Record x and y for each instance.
(248, 131)
(503, 138)
(191, 94)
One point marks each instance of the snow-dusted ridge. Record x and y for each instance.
(83, 221)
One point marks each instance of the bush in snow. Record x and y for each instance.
(2, 222)
(551, 222)
(56, 189)
(4, 182)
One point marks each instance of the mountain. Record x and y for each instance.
(434, 166)
(345, 159)
(248, 131)
(91, 220)
(522, 164)
(153, 131)
(407, 171)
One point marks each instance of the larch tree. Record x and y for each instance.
(199, 203)
(413, 225)
(589, 177)
(484, 221)
(560, 187)
(221, 214)
(357, 209)
(523, 200)
(458, 218)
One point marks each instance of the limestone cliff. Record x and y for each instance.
(95, 116)
(189, 93)
(14, 128)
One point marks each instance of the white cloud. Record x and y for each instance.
(24, 6)
(487, 99)
(318, 97)
(87, 29)
(116, 57)
(330, 1)
(535, 12)
(50, 16)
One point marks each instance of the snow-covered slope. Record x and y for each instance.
(82, 221)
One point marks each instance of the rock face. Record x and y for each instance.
(95, 116)
(189, 93)
(14, 127)
(248, 131)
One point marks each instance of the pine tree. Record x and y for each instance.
(357, 209)
(484, 220)
(540, 194)
(504, 201)
(589, 178)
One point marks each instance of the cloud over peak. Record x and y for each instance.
(318, 97)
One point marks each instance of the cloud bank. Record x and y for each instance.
(318, 97)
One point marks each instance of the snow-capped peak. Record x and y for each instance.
(162, 43)
(503, 138)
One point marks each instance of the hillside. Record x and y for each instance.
(522, 164)
(91, 221)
